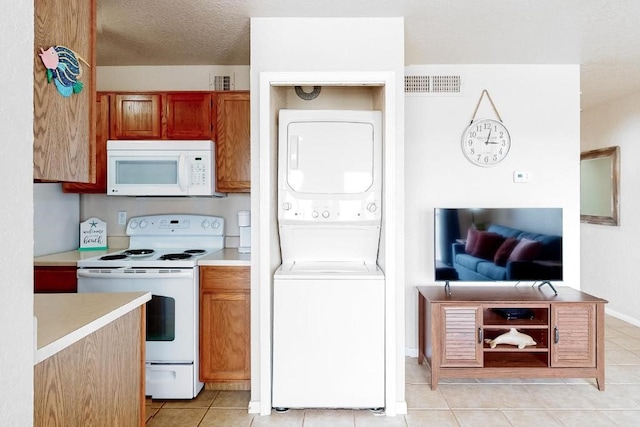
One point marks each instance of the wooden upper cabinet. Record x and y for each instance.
(161, 115)
(136, 116)
(64, 127)
(102, 135)
(188, 115)
(233, 142)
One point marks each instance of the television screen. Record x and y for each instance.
(498, 244)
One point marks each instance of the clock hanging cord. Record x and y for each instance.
(495, 110)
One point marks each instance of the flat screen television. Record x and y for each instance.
(498, 244)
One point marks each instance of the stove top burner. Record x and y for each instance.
(113, 257)
(194, 251)
(173, 257)
(138, 252)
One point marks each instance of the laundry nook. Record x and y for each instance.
(328, 303)
(328, 316)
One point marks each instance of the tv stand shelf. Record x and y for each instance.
(568, 328)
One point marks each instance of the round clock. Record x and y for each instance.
(486, 142)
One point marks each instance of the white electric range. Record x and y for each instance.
(162, 259)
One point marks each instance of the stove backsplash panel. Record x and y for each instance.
(107, 208)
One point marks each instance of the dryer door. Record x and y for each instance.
(330, 157)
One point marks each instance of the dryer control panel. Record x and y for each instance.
(322, 210)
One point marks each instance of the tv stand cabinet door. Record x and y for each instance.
(461, 336)
(573, 335)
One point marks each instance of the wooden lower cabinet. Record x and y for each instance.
(455, 332)
(55, 279)
(225, 327)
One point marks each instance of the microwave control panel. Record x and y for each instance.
(198, 173)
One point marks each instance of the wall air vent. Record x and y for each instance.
(432, 85)
(220, 82)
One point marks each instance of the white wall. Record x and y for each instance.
(56, 219)
(540, 106)
(178, 77)
(16, 216)
(609, 255)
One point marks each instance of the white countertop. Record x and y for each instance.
(227, 256)
(64, 319)
(69, 258)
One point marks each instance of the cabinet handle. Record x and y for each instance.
(480, 334)
(556, 335)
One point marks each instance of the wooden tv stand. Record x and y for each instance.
(568, 329)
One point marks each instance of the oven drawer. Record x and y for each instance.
(174, 381)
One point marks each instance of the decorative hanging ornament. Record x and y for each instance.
(63, 68)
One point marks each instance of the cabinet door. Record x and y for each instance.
(188, 115)
(573, 335)
(102, 135)
(232, 137)
(225, 351)
(225, 348)
(54, 279)
(136, 116)
(461, 336)
(63, 132)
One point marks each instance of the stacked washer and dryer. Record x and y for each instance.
(329, 292)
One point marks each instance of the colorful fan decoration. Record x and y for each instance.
(64, 68)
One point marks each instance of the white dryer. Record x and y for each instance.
(328, 300)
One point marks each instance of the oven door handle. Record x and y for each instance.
(133, 273)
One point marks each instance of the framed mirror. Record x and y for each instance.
(599, 186)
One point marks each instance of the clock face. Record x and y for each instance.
(486, 142)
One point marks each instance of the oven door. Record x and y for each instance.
(171, 314)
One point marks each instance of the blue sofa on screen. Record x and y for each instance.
(507, 254)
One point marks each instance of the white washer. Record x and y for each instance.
(328, 297)
(328, 333)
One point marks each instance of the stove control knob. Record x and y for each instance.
(215, 224)
(133, 224)
(205, 223)
(143, 223)
(325, 214)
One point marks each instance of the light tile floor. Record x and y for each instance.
(495, 402)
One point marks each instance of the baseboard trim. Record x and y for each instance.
(618, 315)
(410, 352)
(254, 407)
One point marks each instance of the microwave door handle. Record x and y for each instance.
(182, 172)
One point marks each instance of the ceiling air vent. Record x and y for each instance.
(432, 85)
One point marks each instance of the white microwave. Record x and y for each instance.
(161, 168)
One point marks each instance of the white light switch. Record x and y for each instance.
(521, 176)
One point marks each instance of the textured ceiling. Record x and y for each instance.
(603, 36)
